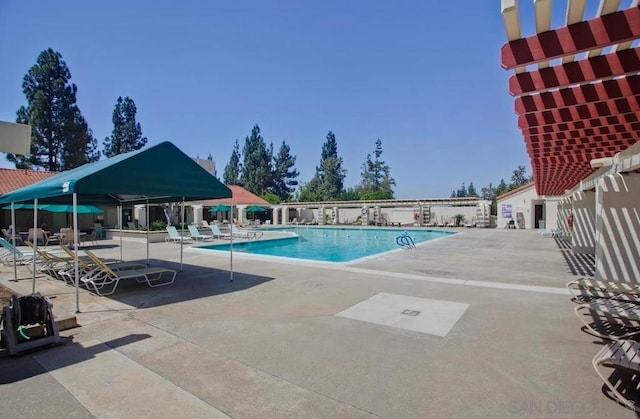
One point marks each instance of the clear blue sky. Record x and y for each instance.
(423, 79)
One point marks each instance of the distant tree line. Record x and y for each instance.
(273, 176)
(490, 193)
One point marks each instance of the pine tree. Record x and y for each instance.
(519, 177)
(284, 173)
(256, 170)
(60, 136)
(231, 174)
(471, 191)
(376, 179)
(127, 133)
(328, 182)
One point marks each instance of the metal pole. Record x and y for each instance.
(181, 240)
(75, 249)
(35, 243)
(231, 246)
(13, 240)
(120, 224)
(148, 227)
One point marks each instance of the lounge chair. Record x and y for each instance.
(23, 256)
(196, 235)
(174, 236)
(106, 280)
(48, 262)
(245, 233)
(621, 354)
(619, 312)
(204, 223)
(590, 287)
(217, 233)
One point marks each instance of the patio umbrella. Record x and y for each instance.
(220, 208)
(254, 209)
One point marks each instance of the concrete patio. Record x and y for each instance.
(497, 338)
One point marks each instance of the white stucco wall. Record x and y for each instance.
(618, 228)
(521, 203)
(584, 222)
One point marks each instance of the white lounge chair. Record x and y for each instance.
(174, 236)
(245, 233)
(621, 354)
(624, 313)
(106, 280)
(204, 223)
(591, 287)
(196, 235)
(215, 230)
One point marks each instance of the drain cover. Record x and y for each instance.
(411, 313)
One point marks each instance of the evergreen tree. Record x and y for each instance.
(462, 192)
(256, 170)
(60, 137)
(376, 179)
(231, 174)
(127, 133)
(284, 173)
(471, 191)
(328, 181)
(519, 177)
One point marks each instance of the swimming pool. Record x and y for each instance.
(331, 244)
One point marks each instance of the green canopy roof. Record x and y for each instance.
(159, 173)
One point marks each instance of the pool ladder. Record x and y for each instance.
(405, 241)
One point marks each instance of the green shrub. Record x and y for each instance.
(158, 225)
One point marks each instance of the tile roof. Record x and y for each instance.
(240, 196)
(11, 179)
(515, 191)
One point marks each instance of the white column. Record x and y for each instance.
(140, 214)
(242, 214)
(275, 215)
(584, 222)
(197, 214)
(285, 216)
(618, 228)
(321, 215)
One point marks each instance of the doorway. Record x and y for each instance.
(538, 211)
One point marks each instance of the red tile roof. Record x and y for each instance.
(515, 191)
(240, 196)
(11, 179)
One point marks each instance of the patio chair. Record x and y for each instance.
(106, 280)
(204, 223)
(49, 263)
(7, 237)
(215, 230)
(623, 354)
(594, 288)
(174, 236)
(36, 235)
(196, 235)
(622, 313)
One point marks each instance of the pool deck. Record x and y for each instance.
(297, 340)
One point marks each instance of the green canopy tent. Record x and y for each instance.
(82, 209)
(154, 174)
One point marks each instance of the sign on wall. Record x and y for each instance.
(506, 211)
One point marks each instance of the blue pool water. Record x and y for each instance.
(331, 244)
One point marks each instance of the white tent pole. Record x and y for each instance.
(35, 242)
(231, 245)
(75, 249)
(13, 241)
(120, 224)
(148, 228)
(181, 240)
